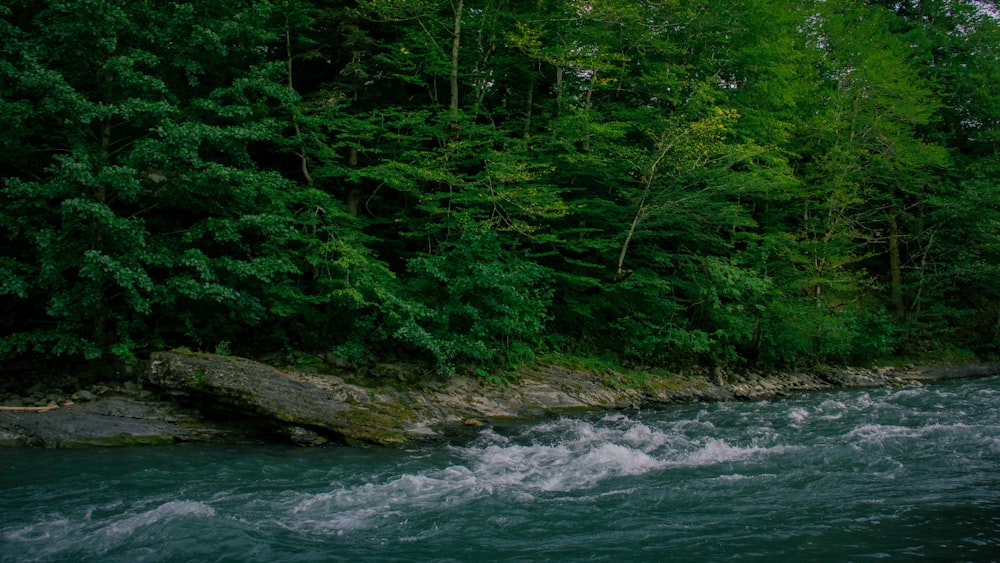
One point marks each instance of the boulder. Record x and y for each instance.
(113, 421)
(301, 404)
(310, 408)
(945, 372)
(84, 395)
(304, 405)
(400, 402)
(305, 437)
(244, 387)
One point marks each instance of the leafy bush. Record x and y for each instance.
(481, 303)
(797, 330)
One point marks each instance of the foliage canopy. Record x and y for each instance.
(470, 182)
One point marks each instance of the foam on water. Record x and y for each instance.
(717, 451)
(692, 481)
(799, 416)
(560, 456)
(880, 433)
(58, 533)
(164, 512)
(556, 457)
(906, 392)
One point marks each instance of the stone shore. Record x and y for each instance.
(203, 397)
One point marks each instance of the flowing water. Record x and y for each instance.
(900, 474)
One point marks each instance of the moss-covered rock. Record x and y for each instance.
(313, 408)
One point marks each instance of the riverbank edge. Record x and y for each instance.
(194, 397)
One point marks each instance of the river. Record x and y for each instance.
(898, 473)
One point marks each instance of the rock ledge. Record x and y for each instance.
(309, 408)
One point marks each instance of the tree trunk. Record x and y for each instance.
(559, 88)
(455, 44)
(301, 153)
(895, 269)
(353, 194)
(531, 103)
(620, 272)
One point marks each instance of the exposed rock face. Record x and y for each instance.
(326, 404)
(312, 409)
(248, 386)
(938, 373)
(311, 406)
(111, 421)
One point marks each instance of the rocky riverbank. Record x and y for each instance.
(204, 397)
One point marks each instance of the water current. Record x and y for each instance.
(899, 474)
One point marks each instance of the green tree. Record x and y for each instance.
(947, 254)
(134, 213)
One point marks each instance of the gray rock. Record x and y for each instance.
(8, 438)
(423, 430)
(84, 395)
(944, 372)
(105, 422)
(392, 415)
(312, 409)
(717, 376)
(248, 388)
(305, 437)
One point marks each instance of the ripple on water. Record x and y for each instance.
(98, 536)
(848, 475)
(161, 514)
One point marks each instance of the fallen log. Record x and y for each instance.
(29, 409)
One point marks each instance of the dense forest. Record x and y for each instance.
(473, 182)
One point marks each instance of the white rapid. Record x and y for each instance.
(891, 473)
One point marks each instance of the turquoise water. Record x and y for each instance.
(898, 474)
